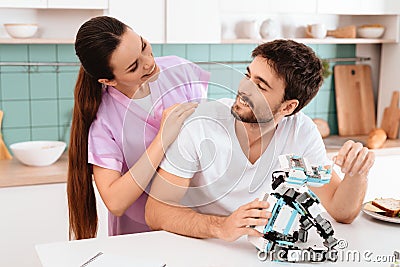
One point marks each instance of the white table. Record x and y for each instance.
(370, 237)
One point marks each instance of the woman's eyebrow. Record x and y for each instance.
(141, 39)
(131, 65)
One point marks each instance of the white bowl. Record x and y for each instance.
(38, 153)
(20, 30)
(370, 32)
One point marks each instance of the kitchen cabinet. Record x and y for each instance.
(78, 4)
(269, 6)
(145, 17)
(292, 16)
(193, 21)
(23, 3)
(391, 34)
(293, 6)
(229, 6)
(208, 21)
(360, 7)
(33, 215)
(170, 21)
(67, 4)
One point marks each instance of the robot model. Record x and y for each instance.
(295, 209)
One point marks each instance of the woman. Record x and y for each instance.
(122, 97)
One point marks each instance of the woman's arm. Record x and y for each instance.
(120, 192)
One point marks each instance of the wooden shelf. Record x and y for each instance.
(227, 41)
(316, 41)
(35, 41)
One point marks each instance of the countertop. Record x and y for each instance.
(364, 241)
(14, 173)
(334, 142)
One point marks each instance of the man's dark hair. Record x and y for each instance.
(297, 65)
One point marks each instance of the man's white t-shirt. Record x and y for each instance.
(222, 178)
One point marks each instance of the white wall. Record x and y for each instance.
(372, 51)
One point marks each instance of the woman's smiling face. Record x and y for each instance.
(132, 63)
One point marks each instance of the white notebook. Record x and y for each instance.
(107, 260)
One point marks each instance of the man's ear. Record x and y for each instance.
(107, 82)
(289, 106)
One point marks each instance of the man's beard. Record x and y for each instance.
(251, 117)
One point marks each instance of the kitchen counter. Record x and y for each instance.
(14, 173)
(334, 142)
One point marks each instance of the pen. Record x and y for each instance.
(92, 259)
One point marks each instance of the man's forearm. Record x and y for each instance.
(348, 198)
(182, 220)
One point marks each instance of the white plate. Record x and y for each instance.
(379, 216)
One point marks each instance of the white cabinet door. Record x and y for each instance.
(193, 21)
(33, 215)
(359, 7)
(268, 6)
(147, 18)
(23, 3)
(241, 7)
(293, 6)
(78, 4)
(73, 4)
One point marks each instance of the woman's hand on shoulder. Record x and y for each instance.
(172, 121)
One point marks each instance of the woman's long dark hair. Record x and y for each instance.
(95, 41)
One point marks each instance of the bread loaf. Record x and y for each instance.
(370, 207)
(376, 138)
(390, 205)
(323, 127)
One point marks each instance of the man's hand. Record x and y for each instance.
(355, 159)
(236, 224)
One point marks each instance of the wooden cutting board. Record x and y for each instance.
(354, 99)
(4, 153)
(391, 117)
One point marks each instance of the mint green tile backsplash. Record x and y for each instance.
(42, 52)
(43, 85)
(220, 52)
(44, 113)
(15, 86)
(37, 101)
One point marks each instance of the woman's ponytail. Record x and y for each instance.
(80, 191)
(95, 42)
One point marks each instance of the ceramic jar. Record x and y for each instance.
(247, 29)
(269, 29)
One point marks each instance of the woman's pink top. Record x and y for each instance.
(123, 130)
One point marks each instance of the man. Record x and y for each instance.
(228, 149)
